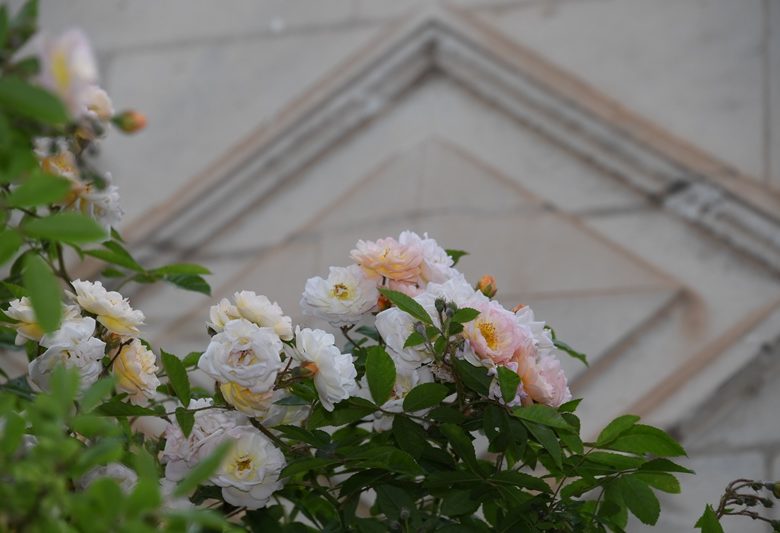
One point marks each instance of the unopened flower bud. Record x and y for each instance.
(419, 327)
(439, 303)
(129, 121)
(487, 286)
(383, 302)
(775, 488)
(518, 307)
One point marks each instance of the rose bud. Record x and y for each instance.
(487, 286)
(383, 303)
(129, 121)
(518, 307)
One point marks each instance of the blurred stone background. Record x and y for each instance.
(680, 326)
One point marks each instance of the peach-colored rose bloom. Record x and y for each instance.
(389, 258)
(495, 334)
(543, 380)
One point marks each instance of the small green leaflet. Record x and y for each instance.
(508, 382)
(455, 255)
(177, 376)
(424, 396)
(407, 304)
(380, 374)
(45, 293)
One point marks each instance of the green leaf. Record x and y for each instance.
(616, 428)
(115, 407)
(186, 420)
(520, 479)
(618, 461)
(203, 470)
(508, 382)
(39, 189)
(455, 255)
(116, 254)
(181, 268)
(664, 465)
(548, 440)
(380, 374)
(177, 376)
(640, 499)
(459, 502)
(144, 497)
(190, 282)
(462, 445)
(24, 99)
(409, 436)
(661, 481)
(191, 359)
(571, 351)
(542, 414)
(474, 377)
(647, 439)
(10, 241)
(465, 314)
(72, 228)
(415, 339)
(45, 293)
(407, 304)
(96, 393)
(708, 522)
(13, 433)
(104, 451)
(424, 396)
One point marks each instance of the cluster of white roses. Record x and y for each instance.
(97, 324)
(69, 70)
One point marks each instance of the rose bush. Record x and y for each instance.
(427, 406)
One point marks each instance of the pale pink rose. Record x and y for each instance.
(544, 380)
(495, 335)
(410, 289)
(436, 266)
(389, 258)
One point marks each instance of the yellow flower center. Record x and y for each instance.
(243, 463)
(60, 70)
(341, 291)
(488, 331)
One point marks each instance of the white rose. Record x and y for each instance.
(260, 310)
(101, 204)
(69, 69)
(27, 327)
(112, 310)
(333, 372)
(222, 313)
(181, 453)
(395, 326)
(249, 475)
(72, 346)
(136, 371)
(126, 478)
(343, 298)
(406, 378)
(437, 265)
(244, 353)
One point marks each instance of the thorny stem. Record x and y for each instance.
(345, 331)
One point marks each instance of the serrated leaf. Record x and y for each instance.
(191, 359)
(542, 414)
(708, 522)
(72, 228)
(177, 376)
(465, 314)
(474, 377)
(661, 481)
(407, 304)
(508, 382)
(424, 396)
(39, 189)
(44, 291)
(185, 419)
(380, 374)
(664, 465)
(547, 439)
(190, 282)
(462, 445)
(640, 499)
(415, 339)
(647, 439)
(616, 428)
